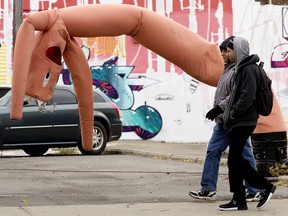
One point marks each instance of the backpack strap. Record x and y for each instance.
(259, 76)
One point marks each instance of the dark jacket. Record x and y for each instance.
(242, 109)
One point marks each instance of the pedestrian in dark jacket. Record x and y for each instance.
(240, 118)
(219, 139)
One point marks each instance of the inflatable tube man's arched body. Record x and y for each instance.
(37, 58)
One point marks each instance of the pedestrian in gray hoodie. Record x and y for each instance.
(219, 139)
(240, 118)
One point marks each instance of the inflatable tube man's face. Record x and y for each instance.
(45, 67)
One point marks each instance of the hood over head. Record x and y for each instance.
(241, 48)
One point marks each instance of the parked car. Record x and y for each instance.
(38, 131)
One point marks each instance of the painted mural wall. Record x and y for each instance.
(157, 100)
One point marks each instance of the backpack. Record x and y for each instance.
(264, 97)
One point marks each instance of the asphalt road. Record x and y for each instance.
(105, 179)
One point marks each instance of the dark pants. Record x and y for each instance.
(240, 169)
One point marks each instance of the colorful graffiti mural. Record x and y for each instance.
(158, 100)
(114, 81)
(279, 57)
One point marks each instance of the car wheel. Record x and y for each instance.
(99, 140)
(35, 150)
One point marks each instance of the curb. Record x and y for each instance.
(183, 158)
(197, 159)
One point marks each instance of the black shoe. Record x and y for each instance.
(232, 206)
(265, 196)
(207, 195)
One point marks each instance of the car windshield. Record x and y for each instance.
(5, 99)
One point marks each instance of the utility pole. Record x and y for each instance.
(17, 17)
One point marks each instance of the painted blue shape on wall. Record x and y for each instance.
(145, 121)
(115, 82)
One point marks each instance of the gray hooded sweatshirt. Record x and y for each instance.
(242, 109)
(223, 90)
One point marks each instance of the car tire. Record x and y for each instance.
(35, 150)
(99, 140)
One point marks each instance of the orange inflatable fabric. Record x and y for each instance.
(272, 123)
(44, 37)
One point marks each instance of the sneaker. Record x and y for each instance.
(265, 196)
(207, 195)
(253, 197)
(232, 206)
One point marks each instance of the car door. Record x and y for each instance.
(34, 127)
(65, 116)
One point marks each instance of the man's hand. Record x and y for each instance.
(213, 113)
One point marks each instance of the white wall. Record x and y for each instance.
(184, 115)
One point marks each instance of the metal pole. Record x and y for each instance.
(17, 17)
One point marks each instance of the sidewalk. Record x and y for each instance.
(193, 152)
(189, 152)
(276, 207)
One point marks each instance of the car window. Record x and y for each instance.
(3, 91)
(5, 99)
(98, 98)
(62, 96)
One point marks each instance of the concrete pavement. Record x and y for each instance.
(187, 152)
(193, 208)
(191, 152)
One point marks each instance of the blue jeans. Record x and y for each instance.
(217, 144)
